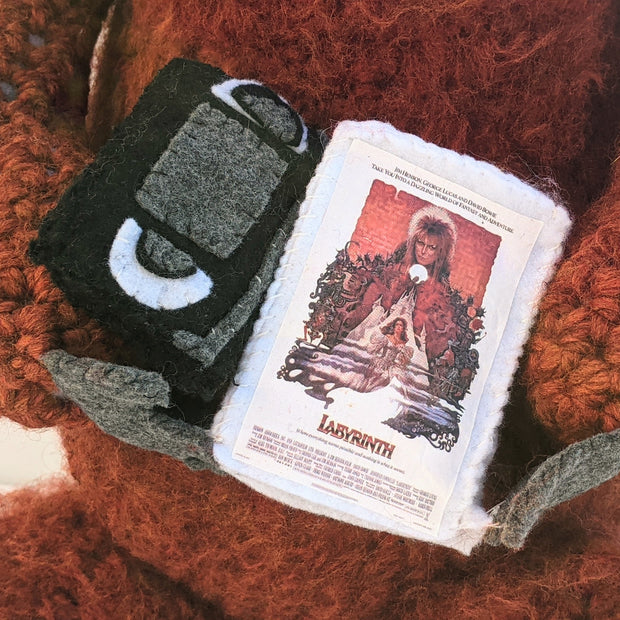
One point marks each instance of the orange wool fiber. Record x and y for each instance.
(261, 559)
(512, 83)
(525, 84)
(573, 367)
(41, 151)
(77, 571)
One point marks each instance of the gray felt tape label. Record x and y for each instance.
(213, 182)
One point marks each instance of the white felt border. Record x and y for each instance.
(465, 521)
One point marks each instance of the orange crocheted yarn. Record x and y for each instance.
(525, 84)
(573, 368)
(514, 84)
(40, 580)
(262, 559)
(44, 51)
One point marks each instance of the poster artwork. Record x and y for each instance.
(364, 384)
(399, 306)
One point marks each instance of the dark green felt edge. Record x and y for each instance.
(119, 170)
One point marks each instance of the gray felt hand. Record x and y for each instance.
(130, 404)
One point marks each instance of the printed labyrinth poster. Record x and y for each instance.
(371, 388)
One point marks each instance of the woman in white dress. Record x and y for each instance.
(389, 354)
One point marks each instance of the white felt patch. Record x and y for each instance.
(392, 426)
(145, 287)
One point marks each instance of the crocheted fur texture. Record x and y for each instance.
(512, 83)
(573, 369)
(76, 570)
(261, 559)
(44, 55)
(524, 84)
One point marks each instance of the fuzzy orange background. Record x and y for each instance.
(530, 86)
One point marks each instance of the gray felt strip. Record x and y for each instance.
(199, 186)
(129, 403)
(207, 349)
(578, 468)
